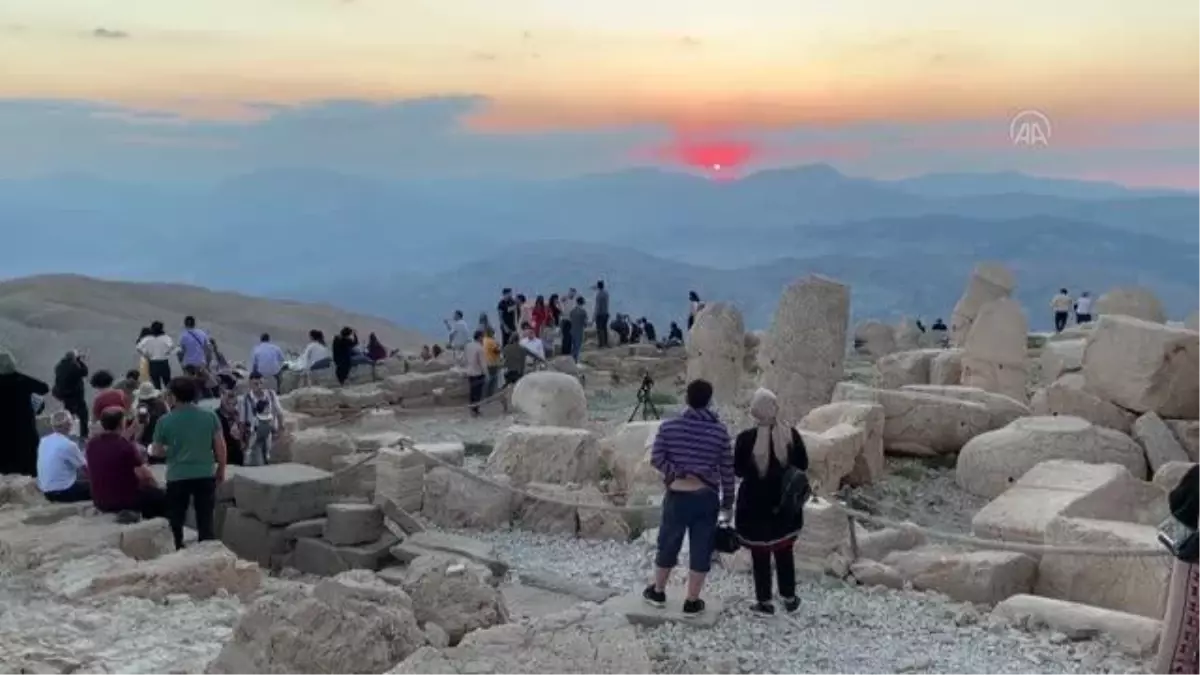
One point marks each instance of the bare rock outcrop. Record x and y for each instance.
(1144, 366)
(869, 417)
(546, 455)
(802, 354)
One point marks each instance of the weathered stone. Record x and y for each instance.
(831, 455)
(900, 368)
(1003, 409)
(405, 521)
(991, 462)
(550, 399)
(354, 476)
(457, 595)
(310, 400)
(549, 581)
(625, 454)
(1158, 441)
(281, 494)
(316, 556)
(1066, 397)
(1067, 488)
(1187, 432)
(423, 543)
(374, 440)
(1133, 301)
(1128, 584)
(410, 386)
(147, 540)
(826, 530)
(920, 424)
(874, 339)
(350, 524)
(988, 281)
(547, 517)
(1060, 357)
(873, 573)
(716, 348)
(802, 355)
(577, 640)
(20, 491)
(878, 544)
(908, 334)
(400, 476)
(971, 576)
(199, 571)
(1144, 366)
(313, 527)
(946, 368)
(1169, 475)
(1136, 635)
(869, 417)
(453, 500)
(351, 623)
(251, 539)
(451, 452)
(318, 446)
(546, 455)
(994, 350)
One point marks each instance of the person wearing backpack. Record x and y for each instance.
(772, 462)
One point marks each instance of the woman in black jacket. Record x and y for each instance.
(760, 456)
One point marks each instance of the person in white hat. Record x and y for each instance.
(149, 407)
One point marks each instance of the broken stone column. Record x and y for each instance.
(1133, 301)
(988, 281)
(716, 349)
(802, 354)
(994, 353)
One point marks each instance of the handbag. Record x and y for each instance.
(794, 494)
(726, 539)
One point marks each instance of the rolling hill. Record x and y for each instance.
(42, 317)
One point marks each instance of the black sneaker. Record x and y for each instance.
(693, 608)
(791, 604)
(765, 608)
(654, 598)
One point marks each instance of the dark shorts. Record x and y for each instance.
(694, 514)
(1083, 318)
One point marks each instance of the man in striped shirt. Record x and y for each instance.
(694, 455)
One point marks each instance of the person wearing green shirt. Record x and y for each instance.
(191, 440)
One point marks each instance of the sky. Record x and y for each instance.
(201, 89)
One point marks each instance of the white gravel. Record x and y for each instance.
(839, 628)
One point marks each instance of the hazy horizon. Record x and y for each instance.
(173, 90)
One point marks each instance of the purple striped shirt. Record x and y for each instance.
(695, 444)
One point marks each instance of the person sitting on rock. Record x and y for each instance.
(426, 353)
(674, 336)
(692, 452)
(621, 327)
(635, 331)
(761, 457)
(648, 330)
(120, 479)
(61, 466)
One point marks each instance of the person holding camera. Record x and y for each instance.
(69, 376)
(771, 461)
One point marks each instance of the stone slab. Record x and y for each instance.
(315, 556)
(282, 494)
(352, 524)
(407, 523)
(312, 527)
(549, 581)
(251, 539)
(465, 547)
(635, 609)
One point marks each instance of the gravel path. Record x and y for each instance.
(839, 628)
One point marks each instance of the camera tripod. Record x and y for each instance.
(645, 401)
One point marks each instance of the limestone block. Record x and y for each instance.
(989, 463)
(946, 368)
(1158, 441)
(1133, 301)
(550, 399)
(831, 455)
(281, 494)
(994, 351)
(988, 281)
(475, 550)
(625, 452)
(1144, 366)
(1056, 488)
(1187, 432)
(252, 539)
(318, 446)
(802, 355)
(316, 556)
(351, 524)
(1063, 397)
(869, 417)
(900, 368)
(546, 455)
(1060, 357)
(920, 424)
(716, 348)
(455, 595)
(1003, 409)
(1136, 635)
(400, 476)
(874, 339)
(985, 577)
(1127, 584)
(452, 500)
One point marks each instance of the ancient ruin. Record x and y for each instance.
(396, 533)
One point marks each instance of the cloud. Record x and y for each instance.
(690, 42)
(429, 138)
(107, 34)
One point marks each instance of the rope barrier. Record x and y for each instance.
(963, 539)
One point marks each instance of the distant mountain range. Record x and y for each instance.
(414, 250)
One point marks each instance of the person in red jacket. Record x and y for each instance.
(540, 315)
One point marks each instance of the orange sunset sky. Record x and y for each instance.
(1119, 79)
